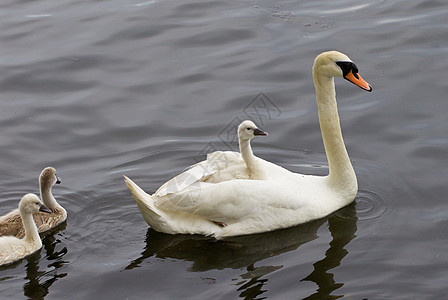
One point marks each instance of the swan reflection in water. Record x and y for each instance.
(39, 281)
(245, 251)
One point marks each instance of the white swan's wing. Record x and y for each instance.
(183, 180)
(226, 202)
(219, 166)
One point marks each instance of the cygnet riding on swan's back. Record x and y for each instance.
(221, 165)
(11, 223)
(12, 248)
(247, 131)
(283, 198)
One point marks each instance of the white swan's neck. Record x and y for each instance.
(247, 154)
(341, 174)
(31, 232)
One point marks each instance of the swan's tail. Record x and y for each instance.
(144, 201)
(168, 221)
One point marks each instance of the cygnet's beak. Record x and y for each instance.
(58, 180)
(43, 208)
(260, 132)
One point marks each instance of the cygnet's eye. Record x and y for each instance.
(248, 128)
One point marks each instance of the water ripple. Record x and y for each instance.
(369, 205)
(372, 205)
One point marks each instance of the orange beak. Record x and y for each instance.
(357, 79)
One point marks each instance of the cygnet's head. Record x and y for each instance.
(48, 177)
(30, 204)
(337, 64)
(248, 130)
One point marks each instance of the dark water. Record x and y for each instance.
(99, 89)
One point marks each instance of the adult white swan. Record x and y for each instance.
(11, 223)
(12, 248)
(283, 199)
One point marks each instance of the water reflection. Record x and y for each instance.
(237, 252)
(342, 226)
(40, 281)
(252, 283)
(244, 252)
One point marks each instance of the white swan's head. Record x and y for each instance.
(48, 177)
(248, 130)
(337, 64)
(30, 204)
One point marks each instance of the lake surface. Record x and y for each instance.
(101, 89)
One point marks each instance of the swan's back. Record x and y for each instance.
(12, 249)
(219, 166)
(11, 223)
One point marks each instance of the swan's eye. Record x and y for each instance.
(248, 128)
(347, 66)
